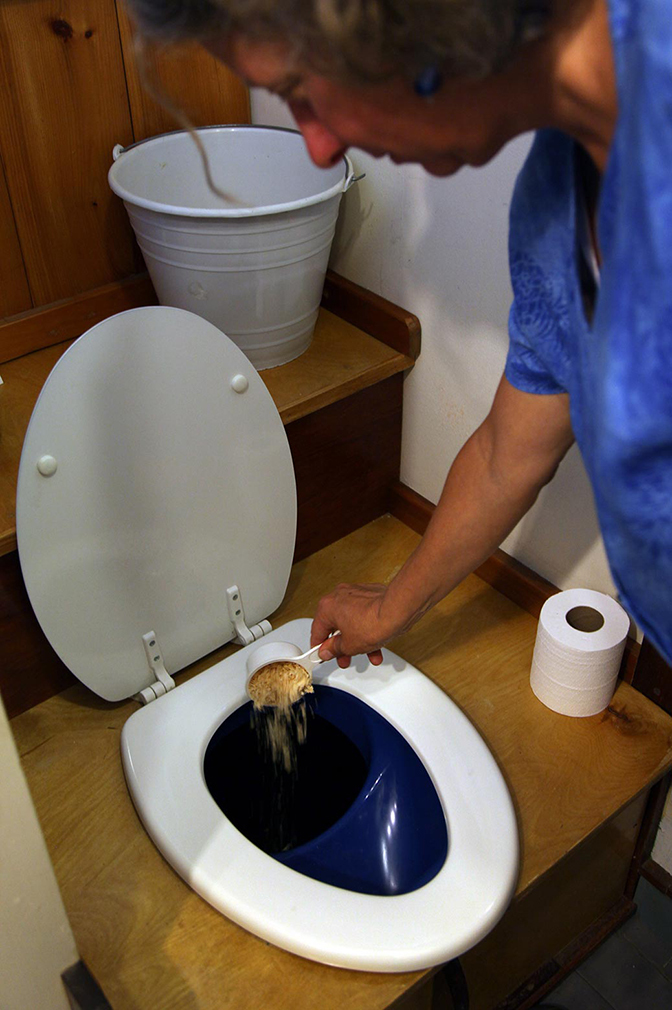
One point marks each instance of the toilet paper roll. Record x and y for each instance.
(578, 650)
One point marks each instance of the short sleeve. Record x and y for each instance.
(540, 356)
(524, 369)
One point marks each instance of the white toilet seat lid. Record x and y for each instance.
(172, 481)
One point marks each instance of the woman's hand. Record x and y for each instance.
(494, 479)
(355, 611)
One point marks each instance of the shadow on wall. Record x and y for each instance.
(443, 239)
(353, 215)
(560, 534)
(458, 235)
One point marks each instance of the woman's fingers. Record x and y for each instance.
(354, 611)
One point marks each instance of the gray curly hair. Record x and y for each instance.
(363, 40)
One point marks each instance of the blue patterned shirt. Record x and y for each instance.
(617, 368)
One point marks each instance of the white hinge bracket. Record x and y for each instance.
(244, 635)
(163, 681)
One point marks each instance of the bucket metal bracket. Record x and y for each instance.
(244, 635)
(164, 682)
(351, 180)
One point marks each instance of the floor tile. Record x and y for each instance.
(650, 929)
(577, 994)
(625, 978)
(653, 906)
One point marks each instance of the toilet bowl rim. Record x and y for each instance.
(227, 859)
(223, 880)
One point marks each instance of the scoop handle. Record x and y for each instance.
(313, 652)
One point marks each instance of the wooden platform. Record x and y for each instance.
(578, 786)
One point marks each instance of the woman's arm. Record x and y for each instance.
(493, 481)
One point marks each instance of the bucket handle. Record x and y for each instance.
(117, 150)
(351, 179)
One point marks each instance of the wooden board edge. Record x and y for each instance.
(646, 839)
(83, 990)
(373, 314)
(549, 975)
(8, 542)
(52, 324)
(506, 574)
(332, 394)
(658, 876)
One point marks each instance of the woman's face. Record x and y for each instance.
(466, 122)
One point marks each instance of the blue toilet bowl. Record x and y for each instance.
(360, 812)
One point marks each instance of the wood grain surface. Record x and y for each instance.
(206, 91)
(64, 107)
(52, 324)
(375, 315)
(22, 381)
(14, 290)
(359, 436)
(71, 91)
(151, 942)
(341, 360)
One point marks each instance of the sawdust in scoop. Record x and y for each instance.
(279, 685)
(281, 724)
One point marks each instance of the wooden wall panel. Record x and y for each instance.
(193, 80)
(30, 671)
(14, 290)
(35, 330)
(64, 107)
(360, 436)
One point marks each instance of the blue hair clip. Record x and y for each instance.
(428, 82)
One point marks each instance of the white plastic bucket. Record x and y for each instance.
(253, 266)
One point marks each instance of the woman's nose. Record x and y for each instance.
(324, 147)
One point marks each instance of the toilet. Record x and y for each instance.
(156, 520)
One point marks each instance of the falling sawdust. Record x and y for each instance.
(280, 723)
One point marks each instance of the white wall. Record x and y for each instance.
(662, 850)
(36, 941)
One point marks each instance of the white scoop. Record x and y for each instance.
(283, 652)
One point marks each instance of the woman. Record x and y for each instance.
(447, 83)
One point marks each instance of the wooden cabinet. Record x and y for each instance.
(71, 91)
(578, 786)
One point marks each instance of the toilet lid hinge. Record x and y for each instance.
(164, 682)
(244, 635)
